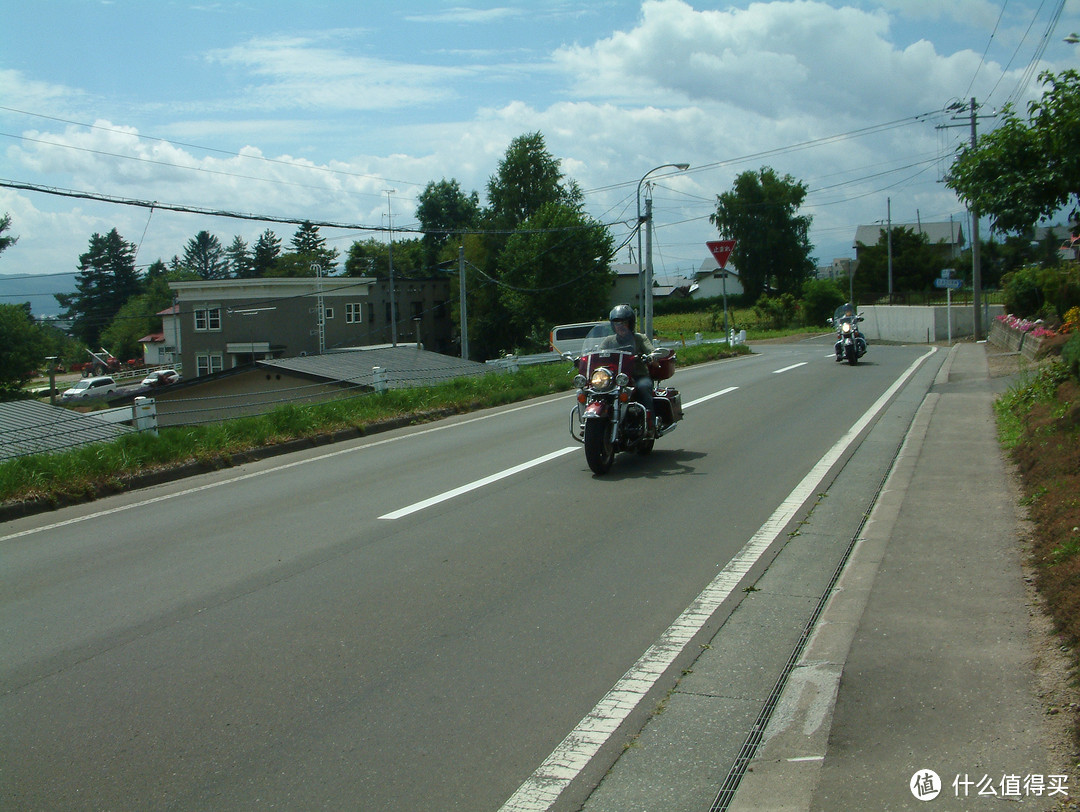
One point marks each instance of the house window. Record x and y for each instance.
(207, 319)
(417, 310)
(328, 313)
(353, 312)
(207, 363)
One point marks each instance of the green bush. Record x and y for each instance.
(820, 299)
(1023, 296)
(1070, 355)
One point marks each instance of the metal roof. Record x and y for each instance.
(32, 427)
(404, 365)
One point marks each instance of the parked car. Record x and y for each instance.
(88, 388)
(161, 377)
(568, 337)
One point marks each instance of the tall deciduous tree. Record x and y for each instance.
(443, 209)
(772, 247)
(527, 180)
(555, 268)
(22, 348)
(1025, 171)
(106, 279)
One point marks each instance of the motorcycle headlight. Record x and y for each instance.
(846, 327)
(601, 378)
(580, 381)
(622, 379)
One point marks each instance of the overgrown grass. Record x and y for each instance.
(1039, 425)
(83, 472)
(683, 326)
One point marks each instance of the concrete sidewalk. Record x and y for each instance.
(921, 668)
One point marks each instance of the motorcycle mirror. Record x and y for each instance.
(828, 320)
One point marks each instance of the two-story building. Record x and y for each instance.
(228, 323)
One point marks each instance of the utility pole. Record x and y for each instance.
(976, 264)
(390, 250)
(976, 261)
(888, 233)
(464, 318)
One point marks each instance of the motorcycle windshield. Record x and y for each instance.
(844, 313)
(596, 336)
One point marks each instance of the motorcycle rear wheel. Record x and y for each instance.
(599, 452)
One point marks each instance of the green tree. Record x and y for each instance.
(265, 253)
(22, 348)
(443, 210)
(915, 263)
(371, 257)
(6, 242)
(820, 298)
(1025, 171)
(527, 179)
(772, 248)
(106, 279)
(555, 268)
(138, 317)
(311, 247)
(240, 260)
(205, 256)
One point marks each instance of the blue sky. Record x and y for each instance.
(315, 109)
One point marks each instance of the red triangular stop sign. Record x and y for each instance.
(721, 250)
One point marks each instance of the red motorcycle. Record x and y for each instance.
(607, 417)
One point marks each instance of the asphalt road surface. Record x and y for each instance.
(411, 621)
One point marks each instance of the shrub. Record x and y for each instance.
(1070, 355)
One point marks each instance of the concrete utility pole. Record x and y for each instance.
(976, 248)
(976, 264)
(464, 318)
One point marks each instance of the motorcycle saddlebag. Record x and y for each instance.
(662, 369)
(668, 405)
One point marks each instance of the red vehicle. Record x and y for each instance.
(607, 417)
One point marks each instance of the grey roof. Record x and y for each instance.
(31, 427)
(948, 233)
(405, 365)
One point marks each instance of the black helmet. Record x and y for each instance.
(622, 312)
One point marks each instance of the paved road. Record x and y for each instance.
(419, 619)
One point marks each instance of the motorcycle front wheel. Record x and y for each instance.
(599, 452)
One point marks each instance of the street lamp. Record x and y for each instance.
(645, 273)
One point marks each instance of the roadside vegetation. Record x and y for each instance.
(87, 472)
(1039, 425)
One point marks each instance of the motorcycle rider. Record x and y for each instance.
(622, 322)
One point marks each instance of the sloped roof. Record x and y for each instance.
(32, 427)
(404, 365)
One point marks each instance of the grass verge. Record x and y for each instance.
(82, 473)
(1039, 425)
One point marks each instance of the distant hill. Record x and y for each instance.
(38, 290)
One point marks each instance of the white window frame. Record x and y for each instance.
(207, 363)
(210, 318)
(354, 312)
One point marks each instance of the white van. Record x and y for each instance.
(568, 337)
(88, 388)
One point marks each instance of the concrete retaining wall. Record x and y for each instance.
(923, 324)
